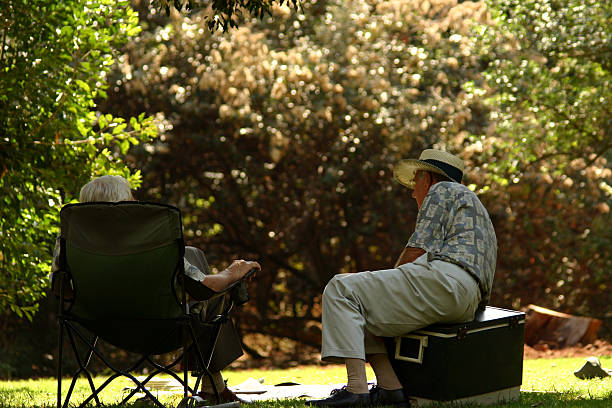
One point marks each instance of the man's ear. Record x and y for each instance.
(430, 180)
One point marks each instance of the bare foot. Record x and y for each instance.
(229, 275)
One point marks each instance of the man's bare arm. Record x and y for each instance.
(409, 254)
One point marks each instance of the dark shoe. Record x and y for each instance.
(226, 395)
(396, 398)
(342, 398)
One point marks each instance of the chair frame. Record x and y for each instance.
(68, 327)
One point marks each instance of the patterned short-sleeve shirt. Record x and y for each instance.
(193, 271)
(453, 226)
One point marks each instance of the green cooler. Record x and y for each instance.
(480, 361)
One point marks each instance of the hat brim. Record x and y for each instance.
(405, 170)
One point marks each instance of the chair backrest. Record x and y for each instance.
(123, 258)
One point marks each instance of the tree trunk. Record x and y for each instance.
(558, 330)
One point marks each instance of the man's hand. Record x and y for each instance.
(409, 254)
(240, 267)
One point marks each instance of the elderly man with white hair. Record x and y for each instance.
(444, 274)
(116, 188)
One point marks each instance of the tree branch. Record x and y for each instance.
(87, 140)
(2, 49)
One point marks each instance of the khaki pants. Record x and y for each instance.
(359, 307)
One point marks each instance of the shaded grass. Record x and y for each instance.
(546, 383)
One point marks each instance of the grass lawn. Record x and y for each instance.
(546, 383)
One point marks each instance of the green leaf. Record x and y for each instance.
(124, 146)
(83, 85)
(119, 128)
(133, 31)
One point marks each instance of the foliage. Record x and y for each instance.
(280, 136)
(552, 82)
(224, 13)
(54, 61)
(546, 160)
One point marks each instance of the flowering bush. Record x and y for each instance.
(281, 135)
(280, 138)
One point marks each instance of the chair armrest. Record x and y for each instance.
(61, 278)
(197, 290)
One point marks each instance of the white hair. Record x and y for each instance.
(106, 188)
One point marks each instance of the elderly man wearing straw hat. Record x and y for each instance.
(444, 274)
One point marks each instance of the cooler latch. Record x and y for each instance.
(462, 332)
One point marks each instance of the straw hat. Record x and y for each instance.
(436, 161)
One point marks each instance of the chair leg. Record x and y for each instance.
(69, 393)
(65, 326)
(86, 361)
(185, 359)
(167, 369)
(92, 350)
(164, 369)
(94, 343)
(60, 352)
(217, 330)
(74, 333)
(118, 373)
(158, 369)
(140, 385)
(82, 364)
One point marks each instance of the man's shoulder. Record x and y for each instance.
(458, 195)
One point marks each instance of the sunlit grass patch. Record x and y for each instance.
(557, 376)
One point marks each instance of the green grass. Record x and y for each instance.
(546, 383)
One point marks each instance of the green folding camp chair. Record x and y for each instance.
(124, 265)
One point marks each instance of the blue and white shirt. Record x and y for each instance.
(193, 271)
(453, 226)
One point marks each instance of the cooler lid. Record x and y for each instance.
(490, 318)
